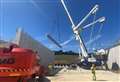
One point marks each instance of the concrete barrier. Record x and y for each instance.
(26, 41)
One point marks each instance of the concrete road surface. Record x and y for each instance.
(81, 75)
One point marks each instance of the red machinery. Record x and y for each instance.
(19, 65)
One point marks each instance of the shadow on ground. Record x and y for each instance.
(101, 80)
(44, 79)
(53, 72)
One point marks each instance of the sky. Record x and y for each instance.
(41, 17)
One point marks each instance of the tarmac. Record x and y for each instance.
(82, 75)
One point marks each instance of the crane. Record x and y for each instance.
(77, 28)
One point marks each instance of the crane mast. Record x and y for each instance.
(82, 46)
(76, 32)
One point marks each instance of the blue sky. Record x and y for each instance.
(39, 17)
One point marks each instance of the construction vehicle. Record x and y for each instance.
(19, 65)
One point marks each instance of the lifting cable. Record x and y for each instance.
(55, 28)
(58, 29)
(57, 24)
(92, 28)
(100, 29)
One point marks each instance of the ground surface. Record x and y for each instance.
(81, 75)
